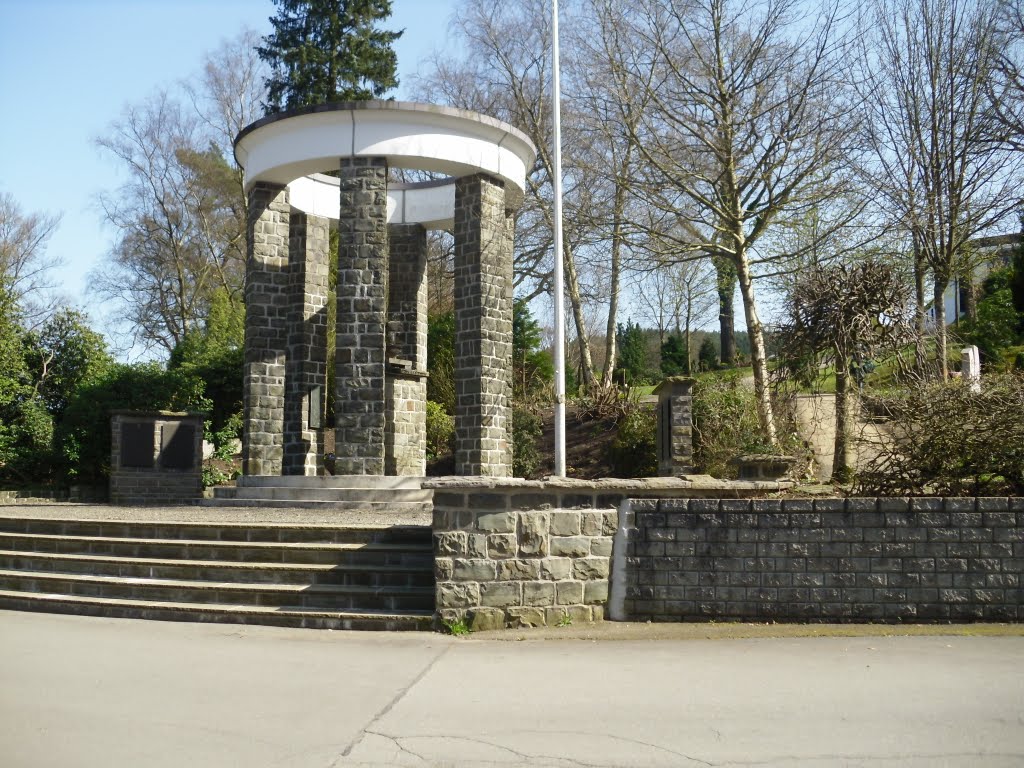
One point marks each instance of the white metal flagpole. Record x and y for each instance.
(559, 289)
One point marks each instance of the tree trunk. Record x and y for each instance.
(689, 352)
(940, 327)
(969, 290)
(726, 274)
(758, 359)
(841, 470)
(573, 285)
(921, 312)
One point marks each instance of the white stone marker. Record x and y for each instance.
(970, 366)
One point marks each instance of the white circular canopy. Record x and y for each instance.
(293, 148)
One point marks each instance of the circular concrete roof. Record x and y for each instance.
(293, 148)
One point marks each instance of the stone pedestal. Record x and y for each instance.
(305, 398)
(359, 396)
(483, 329)
(267, 281)
(675, 427)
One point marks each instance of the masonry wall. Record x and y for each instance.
(860, 559)
(157, 484)
(522, 556)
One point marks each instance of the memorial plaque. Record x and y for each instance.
(314, 408)
(137, 443)
(178, 446)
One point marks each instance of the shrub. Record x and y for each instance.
(633, 452)
(440, 430)
(943, 439)
(526, 429)
(725, 423)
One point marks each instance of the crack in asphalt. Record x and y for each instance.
(390, 705)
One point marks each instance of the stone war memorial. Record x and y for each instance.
(381, 322)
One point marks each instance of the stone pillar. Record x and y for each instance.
(266, 309)
(306, 369)
(675, 426)
(406, 435)
(359, 397)
(483, 329)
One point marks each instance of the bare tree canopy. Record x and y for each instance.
(180, 216)
(25, 267)
(749, 126)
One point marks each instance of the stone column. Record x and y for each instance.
(266, 308)
(675, 426)
(406, 436)
(306, 369)
(483, 329)
(359, 410)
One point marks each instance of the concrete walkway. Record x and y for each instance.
(82, 692)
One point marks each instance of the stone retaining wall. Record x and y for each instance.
(512, 552)
(860, 559)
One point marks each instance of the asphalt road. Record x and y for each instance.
(81, 692)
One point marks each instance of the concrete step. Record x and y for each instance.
(392, 508)
(350, 496)
(367, 482)
(319, 596)
(376, 575)
(414, 552)
(220, 532)
(208, 612)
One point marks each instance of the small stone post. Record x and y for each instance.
(970, 367)
(675, 426)
(266, 308)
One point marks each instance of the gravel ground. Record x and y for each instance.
(198, 514)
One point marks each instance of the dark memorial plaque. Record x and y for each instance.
(314, 408)
(137, 443)
(177, 446)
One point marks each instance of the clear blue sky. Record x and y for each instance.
(68, 67)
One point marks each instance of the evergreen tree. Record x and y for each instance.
(675, 358)
(532, 368)
(328, 50)
(632, 360)
(708, 355)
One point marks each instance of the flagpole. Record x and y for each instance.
(559, 288)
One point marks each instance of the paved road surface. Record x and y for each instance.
(82, 692)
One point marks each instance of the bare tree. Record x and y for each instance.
(505, 72)
(25, 268)
(937, 169)
(181, 214)
(840, 316)
(748, 125)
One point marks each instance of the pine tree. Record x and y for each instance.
(675, 358)
(328, 50)
(632, 362)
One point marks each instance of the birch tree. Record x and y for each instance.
(748, 125)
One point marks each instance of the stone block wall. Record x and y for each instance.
(522, 554)
(858, 559)
(405, 448)
(362, 296)
(157, 483)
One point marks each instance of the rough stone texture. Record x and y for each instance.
(267, 282)
(827, 560)
(406, 431)
(159, 484)
(359, 397)
(483, 328)
(306, 364)
(523, 554)
(675, 427)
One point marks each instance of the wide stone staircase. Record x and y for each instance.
(391, 496)
(294, 574)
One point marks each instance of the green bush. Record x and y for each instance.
(526, 429)
(725, 423)
(633, 452)
(440, 430)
